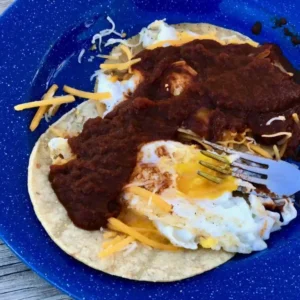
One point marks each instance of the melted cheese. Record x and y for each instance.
(185, 37)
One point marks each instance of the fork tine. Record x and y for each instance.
(253, 158)
(249, 178)
(250, 168)
(209, 177)
(221, 169)
(215, 156)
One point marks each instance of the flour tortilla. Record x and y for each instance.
(143, 263)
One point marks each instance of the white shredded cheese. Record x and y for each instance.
(124, 42)
(288, 134)
(91, 58)
(99, 36)
(81, 55)
(251, 140)
(279, 118)
(128, 249)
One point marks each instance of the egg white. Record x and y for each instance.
(227, 222)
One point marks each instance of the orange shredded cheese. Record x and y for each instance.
(296, 118)
(248, 146)
(52, 101)
(116, 248)
(87, 95)
(112, 242)
(260, 151)
(109, 234)
(100, 108)
(127, 51)
(42, 109)
(276, 152)
(119, 66)
(117, 225)
(283, 149)
(157, 200)
(140, 229)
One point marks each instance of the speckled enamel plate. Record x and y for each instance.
(39, 44)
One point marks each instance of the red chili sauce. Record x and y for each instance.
(238, 86)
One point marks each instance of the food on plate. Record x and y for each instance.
(116, 181)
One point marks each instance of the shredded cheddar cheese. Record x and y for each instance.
(117, 225)
(147, 230)
(116, 248)
(127, 51)
(260, 151)
(296, 118)
(87, 95)
(112, 242)
(52, 101)
(109, 234)
(248, 146)
(276, 152)
(283, 149)
(100, 108)
(157, 200)
(42, 109)
(120, 66)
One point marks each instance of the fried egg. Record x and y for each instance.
(118, 89)
(60, 151)
(203, 213)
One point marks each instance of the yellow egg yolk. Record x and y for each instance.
(195, 186)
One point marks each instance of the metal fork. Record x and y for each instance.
(280, 177)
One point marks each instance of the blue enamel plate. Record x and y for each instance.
(39, 44)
